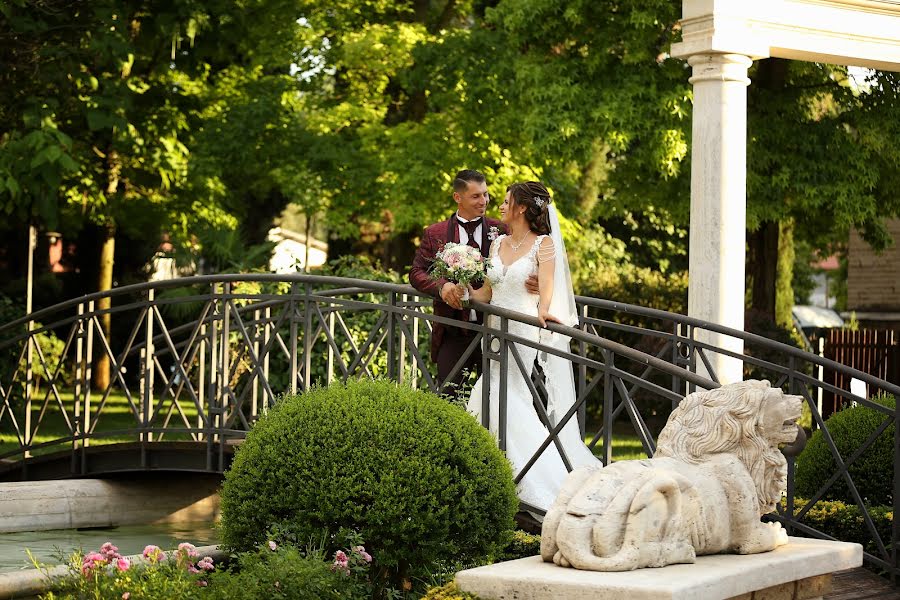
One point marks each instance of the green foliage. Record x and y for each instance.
(173, 576)
(871, 472)
(761, 324)
(449, 591)
(286, 572)
(419, 479)
(803, 282)
(47, 354)
(522, 545)
(844, 521)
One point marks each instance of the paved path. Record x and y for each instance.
(862, 584)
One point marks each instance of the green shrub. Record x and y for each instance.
(845, 521)
(872, 472)
(284, 573)
(522, 545)
(418, 479)
(449, 591)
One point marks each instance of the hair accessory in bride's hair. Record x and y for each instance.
(539, 201)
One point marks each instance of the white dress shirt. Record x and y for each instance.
(464, 235)
(464, 239)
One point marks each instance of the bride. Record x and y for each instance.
(534, 243)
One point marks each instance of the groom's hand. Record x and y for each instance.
(531, 284)
(452, 295)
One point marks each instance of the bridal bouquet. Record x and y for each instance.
(460, 263)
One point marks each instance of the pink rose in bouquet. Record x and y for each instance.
(460, 263)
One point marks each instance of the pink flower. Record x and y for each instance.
(206, 563)
(272, 546)
(123, 564)
(91, 562)
(361, 550)
(201, 583)
(109, 551)
(188, 549)
(126, 595)
(154, 553)
(341, 561)
(193, 569)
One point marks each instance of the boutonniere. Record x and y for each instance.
(493, 233)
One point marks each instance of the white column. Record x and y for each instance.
(718, 203)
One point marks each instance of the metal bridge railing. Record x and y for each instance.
(198, 360)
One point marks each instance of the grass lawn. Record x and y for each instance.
(117, 414)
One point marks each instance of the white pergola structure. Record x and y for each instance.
(720, 40)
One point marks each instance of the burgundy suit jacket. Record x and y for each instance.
(434, 237)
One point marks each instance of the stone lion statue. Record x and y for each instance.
(716, 470)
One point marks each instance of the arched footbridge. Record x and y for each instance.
(193, 362)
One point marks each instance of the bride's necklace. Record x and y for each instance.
(515, 246)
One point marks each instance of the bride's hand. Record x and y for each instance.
(545, 317)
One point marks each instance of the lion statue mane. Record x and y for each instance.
(716, 470)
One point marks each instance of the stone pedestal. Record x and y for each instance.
(800, 570)
(718, 204)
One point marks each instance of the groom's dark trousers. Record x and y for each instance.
(448, 343)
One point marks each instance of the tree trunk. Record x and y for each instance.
(104, 284)
(761, 267)
(593, 178)
(784, 288)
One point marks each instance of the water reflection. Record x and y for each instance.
(130, 539)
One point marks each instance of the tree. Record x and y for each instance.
(113, 92)
(820, 160)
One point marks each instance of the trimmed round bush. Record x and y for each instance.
(872, 473)
(420, 480)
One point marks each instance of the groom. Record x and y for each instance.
(468, 226)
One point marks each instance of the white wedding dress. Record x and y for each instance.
(524, 430)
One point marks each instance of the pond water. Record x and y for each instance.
(130, 539)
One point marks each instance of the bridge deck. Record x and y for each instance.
(861, 584)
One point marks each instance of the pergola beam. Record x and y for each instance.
(720, 39)
(863, 33)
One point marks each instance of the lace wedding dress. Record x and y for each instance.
(524, 430)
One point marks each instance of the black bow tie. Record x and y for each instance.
(470, 228)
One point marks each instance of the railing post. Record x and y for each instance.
(608, 399)
(213, 413)
(79, 383)
(254, 392)
(820, 372)
(292, 306)
(329, 359)
(895, 523)
(29, 385)
(267, 331)
(582, 374)
(504, 381)
(486, 354)
(307, 336)
(401, 370)
(89, 354)
(677, 383)
(414, 372)
(201, 385)
(391, 325)
(147, 399)
(225, 353)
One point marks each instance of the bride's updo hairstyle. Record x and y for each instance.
(536, 200)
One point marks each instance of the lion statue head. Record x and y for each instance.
(749, 420)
